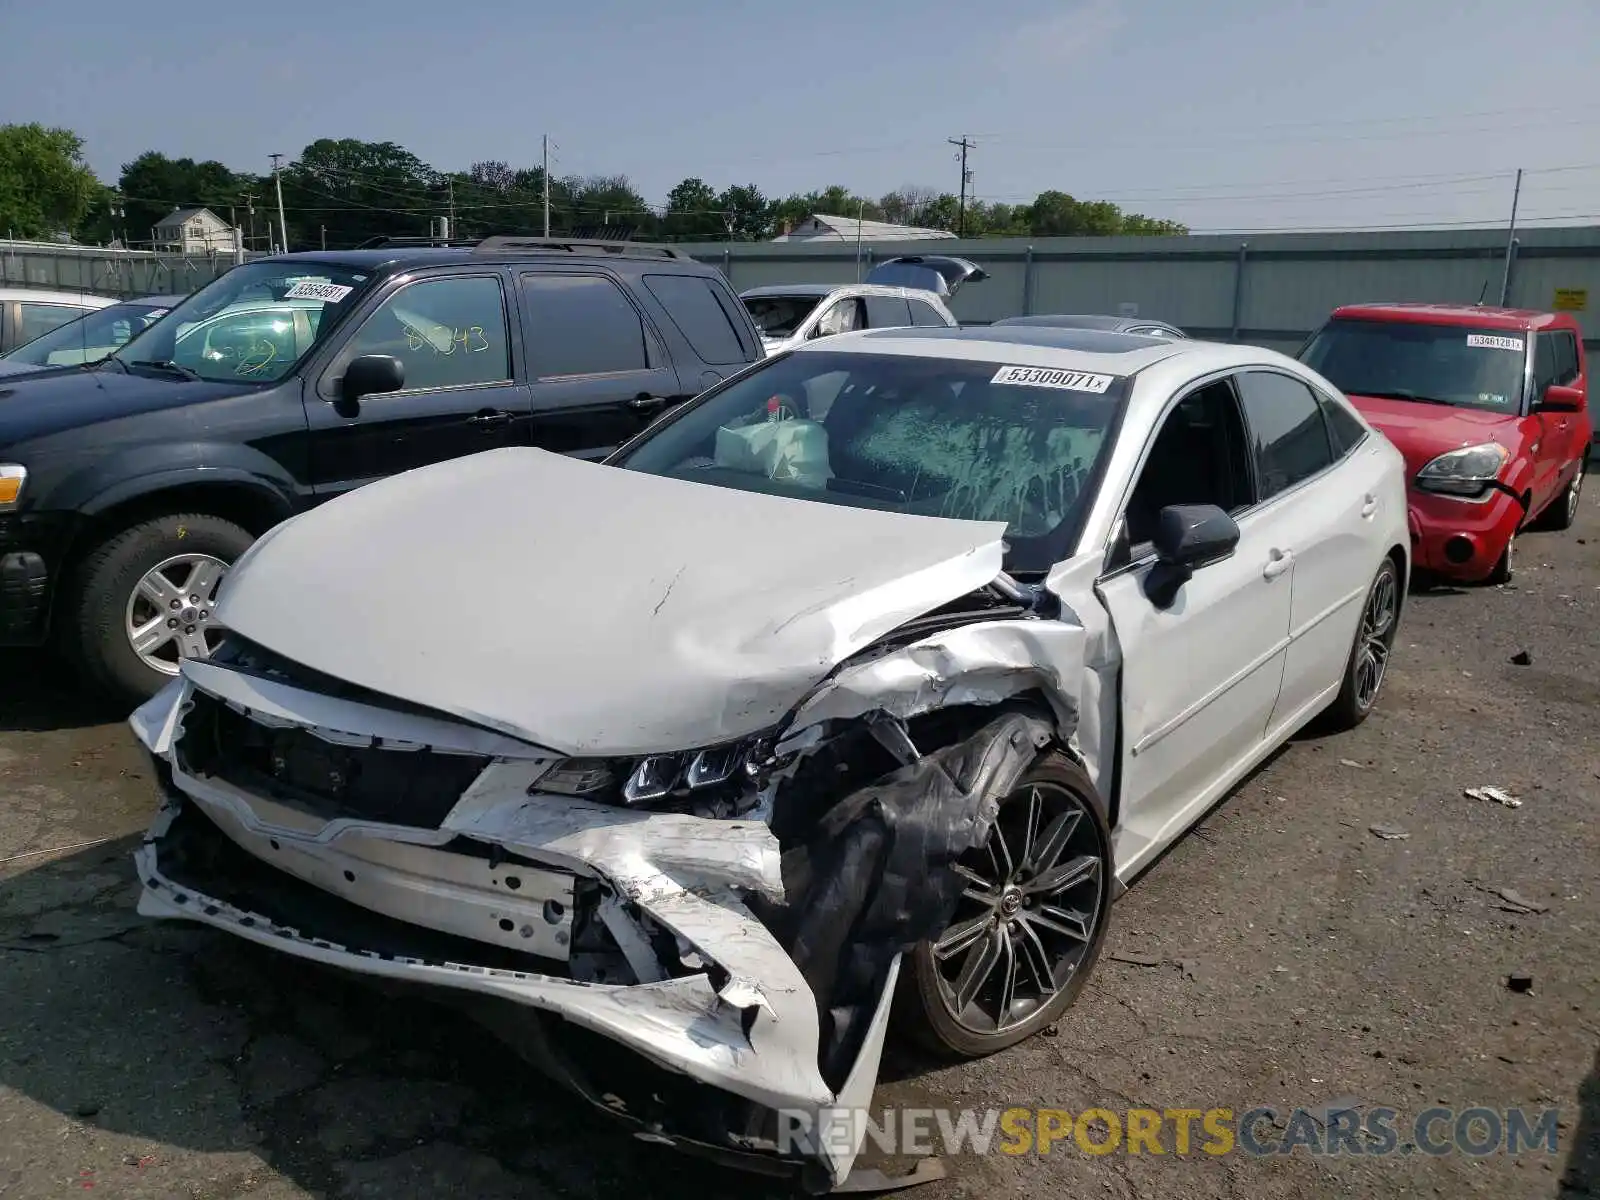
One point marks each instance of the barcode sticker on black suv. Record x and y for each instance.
(308, 289)
(1072, 381)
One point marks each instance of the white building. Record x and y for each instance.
(820, 227)
(195, 231)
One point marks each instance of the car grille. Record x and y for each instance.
(294, 767)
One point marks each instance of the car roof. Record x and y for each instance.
(53, 296)
(1481, 315)
(157, 300)
(1094, 350)
(828, 289)
(385, 257)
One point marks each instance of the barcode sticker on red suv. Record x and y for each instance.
(1072, 381)
(1494, 341)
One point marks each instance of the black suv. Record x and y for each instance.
(128, 488)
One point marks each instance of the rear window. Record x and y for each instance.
(696, 309)
(1452, 365)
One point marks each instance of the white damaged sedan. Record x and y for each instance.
(879, 669)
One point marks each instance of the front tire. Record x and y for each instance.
(142, 601)
(1031, 921)
(1368, 665)
(1563, 512)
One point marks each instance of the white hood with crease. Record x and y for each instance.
(588, 609)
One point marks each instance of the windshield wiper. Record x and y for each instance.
(166, 364)
(1403, 394)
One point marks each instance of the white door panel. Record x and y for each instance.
(1338, 520)
(1200, 678)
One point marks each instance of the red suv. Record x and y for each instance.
(1489, 406)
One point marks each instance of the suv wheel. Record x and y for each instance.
(144, 598)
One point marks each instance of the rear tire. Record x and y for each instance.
(1368, 665)
(1033, 943)
(106, 602)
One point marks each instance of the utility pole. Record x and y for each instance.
(277, 182)
(452, 202)
(966, 144)
(324, 237)
(545, 171)
(250, 214)
(1511, 241)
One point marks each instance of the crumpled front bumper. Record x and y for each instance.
(430, 907)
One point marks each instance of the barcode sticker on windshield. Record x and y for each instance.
(1494, 341)
(308, 289)
(1072, 381)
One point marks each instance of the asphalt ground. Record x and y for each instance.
(1281, 955)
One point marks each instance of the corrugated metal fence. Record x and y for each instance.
(104, 272)
(1271, 289)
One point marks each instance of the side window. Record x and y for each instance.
(1288, 436)
(693, 307)
(40, 319)
(1545, 368)
(1344, 430)
(843, 316)
(447, 332)
(1566, 357)
(581, 325)
(254, 341)
(1198, 457)
(926, 315)
(887, 312)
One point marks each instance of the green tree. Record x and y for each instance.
(152, 185)
(745, 213)
(691, 212)
(45, 186)
(355, 190)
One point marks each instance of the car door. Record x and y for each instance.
(456, 346)
(1552, 429)
(1326, 504)
(1563, 433)
(598, 370)
(1200, 677)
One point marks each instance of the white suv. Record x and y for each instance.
(899, 292)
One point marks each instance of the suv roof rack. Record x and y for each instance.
(539, 245)
(383, 241)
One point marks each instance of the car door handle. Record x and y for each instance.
(1369, 505)
(1277, 564)
(491, 418)
(644, 401)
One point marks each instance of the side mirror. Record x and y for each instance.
(369, 375)
(1187, 538)
(1559, 398)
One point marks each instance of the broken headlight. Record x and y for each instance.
(653, 777)
(1464, 472)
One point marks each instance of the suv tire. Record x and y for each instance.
(95, 633)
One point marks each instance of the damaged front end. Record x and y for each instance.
(703, 943)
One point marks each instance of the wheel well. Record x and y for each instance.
(252, 509)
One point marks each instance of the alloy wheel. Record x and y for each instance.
(1377, 633)
(1028, 913)
(171, 613)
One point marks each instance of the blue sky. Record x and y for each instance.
(1226, 115)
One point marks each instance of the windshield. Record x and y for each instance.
(930, 436)
(251, 325)
(780, 316)
(1402, 360)
(89, 338)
